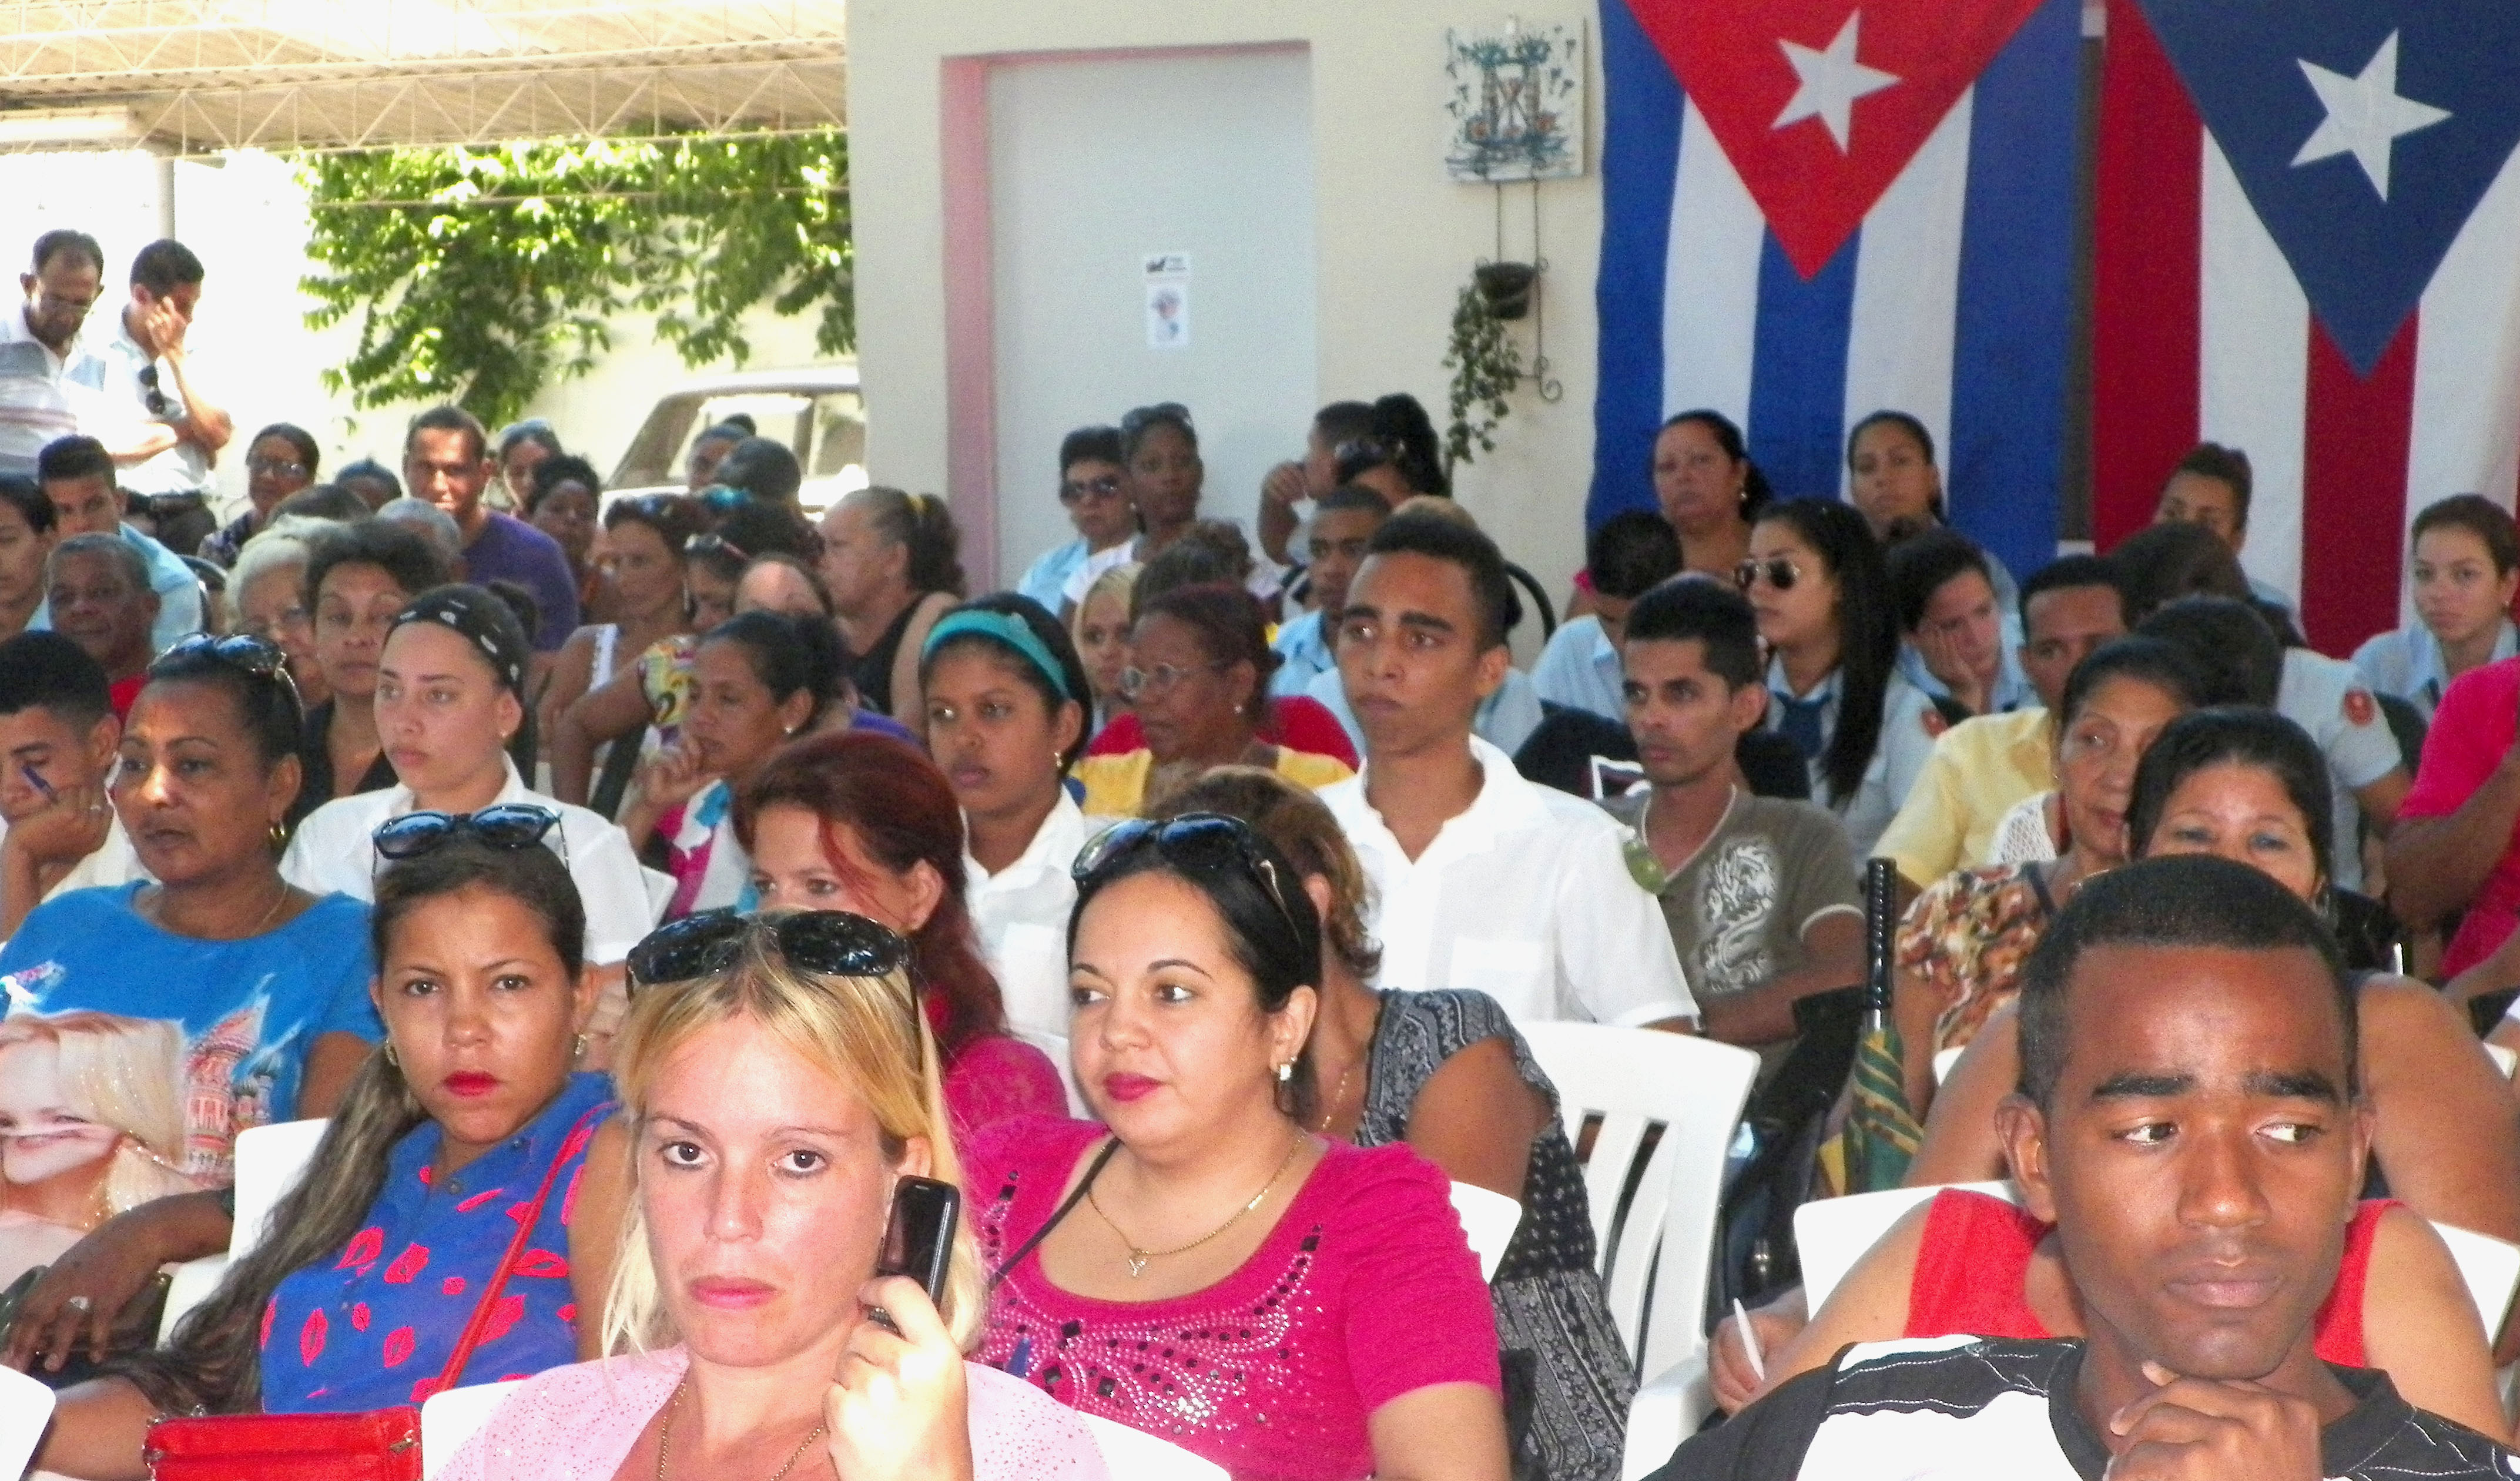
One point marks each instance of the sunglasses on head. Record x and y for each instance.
(833, 943)
(1781, 574)
(1162, 411)
(706, 544)
(507, 826)
(1205, 843)
(239, 651)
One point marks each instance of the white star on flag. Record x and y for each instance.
(1830, 82)
(2364, 115)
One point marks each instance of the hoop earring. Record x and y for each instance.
(278, 838)
(391, 1058)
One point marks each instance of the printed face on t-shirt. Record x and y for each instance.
(42, 1135)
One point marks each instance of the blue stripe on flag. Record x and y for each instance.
(1798, 370)
(1640, 163)
(2015, 316)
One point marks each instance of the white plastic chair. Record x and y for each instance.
(2504, 1059)
(1056, 1047)
(1132, 1455)
(268, 1162)
(1688, 1094)
(448, 1419)
(1944, 1059)
(1490, 1219)
(26, 1408)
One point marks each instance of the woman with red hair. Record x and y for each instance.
(859, 821)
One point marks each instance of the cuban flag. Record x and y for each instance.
(1819, 208)
(2307, 238)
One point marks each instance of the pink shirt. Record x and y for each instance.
(2471, 730)
(998, 1076)
(578, 1423)
(1364, 1291)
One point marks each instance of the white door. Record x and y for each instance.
(1097, 164)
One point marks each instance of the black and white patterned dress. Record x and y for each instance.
(1549, 1299)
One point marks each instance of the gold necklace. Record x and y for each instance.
(1139, 1255)
(665, 1437)
(1330, 1107)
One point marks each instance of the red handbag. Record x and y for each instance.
(379, 1445)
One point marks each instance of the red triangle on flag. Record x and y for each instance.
(1820, 104)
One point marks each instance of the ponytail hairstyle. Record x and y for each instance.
(904, 814)
(922, 524)
(212, 1363)
(788, 654)
(1756, 492)
(1868, 632)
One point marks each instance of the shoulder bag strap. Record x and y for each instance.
(1083, 1187)
(481, 1309)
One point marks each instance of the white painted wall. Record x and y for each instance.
(1395, 238)
(1095, 163)
(248, 220)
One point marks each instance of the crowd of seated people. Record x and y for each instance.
(1184, 903)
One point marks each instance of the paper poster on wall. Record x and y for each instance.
(1167, 276)
(1516, 102)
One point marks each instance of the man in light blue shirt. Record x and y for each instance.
(2211, 487)
(78, 478)
(1094, 488)
(1629, 556)
(1344, 520)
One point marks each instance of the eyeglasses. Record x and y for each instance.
(287, 619)
(1160, 678)
(1780, 571)
(1207, 843)
(285, 468)
(241, 650)
(1144, 417)
(834, 943)
(709, 544)
(149, 391)
(1070, 492)
(509, 826)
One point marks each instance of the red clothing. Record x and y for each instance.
(1973, 1275)
(125, 691)
(996, 1077)
(1365, 1290)
(1296, 723)
(2469, 733)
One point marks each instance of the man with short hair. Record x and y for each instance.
(97, 590)
(40, 347)
(149, 410)
(2211, 488)
(77, 476)
(1627, 556)
(1981, 768)
(1343, 523)
(57, 735)
(2191, 1120)
(446, 461)
(1093, 489)
(1759, 893)
(1481, 880)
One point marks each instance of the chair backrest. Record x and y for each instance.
(1662, 1108)
(1056, 1047)
(26, 1408)
(2491, 1267)
(268, 1160)
(1831, 1233)
(448, 1419)
(1490, 1219)
(2504, 1059)
(1944, 1059)
(1132, 1455)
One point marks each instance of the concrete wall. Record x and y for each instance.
(1395, 238)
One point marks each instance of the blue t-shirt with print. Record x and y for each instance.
(250, 1010)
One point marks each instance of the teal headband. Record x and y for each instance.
(1013, 631)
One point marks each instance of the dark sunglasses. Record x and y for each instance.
(1206, 843)
(1781, 574)
(1108, 486)
(1144, 417)
(239, 651)
(834, 943)
(507, 826)
(709, 544)
(150, 393)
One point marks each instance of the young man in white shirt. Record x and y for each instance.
(149, 410)
(1481, 880)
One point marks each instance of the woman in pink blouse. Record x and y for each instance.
(1211, 1270)
(779, 1076)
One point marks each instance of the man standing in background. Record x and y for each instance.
(41, 348)
(149, 410)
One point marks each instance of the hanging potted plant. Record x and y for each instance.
(1486, 366)
(1507, 286)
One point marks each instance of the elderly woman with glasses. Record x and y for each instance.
(1206, 1266)
(779, 1083)
(1198, 671)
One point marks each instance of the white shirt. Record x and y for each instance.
(41, 392)
(1020, 915)
(2326, 698)
(120, 407)
(332, 851)
(1525, 897)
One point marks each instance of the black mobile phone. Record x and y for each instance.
(919, 1241)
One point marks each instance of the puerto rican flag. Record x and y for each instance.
(2308, 246)
(1819, 208)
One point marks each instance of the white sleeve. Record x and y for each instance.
(619, 912)
(1614, 949)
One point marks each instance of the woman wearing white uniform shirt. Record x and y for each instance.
(450, 692)
(1005, 719)
(2466, 567)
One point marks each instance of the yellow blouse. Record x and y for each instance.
(1115, 787)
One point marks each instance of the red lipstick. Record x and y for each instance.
(731, 1293)
(470, 1084)
(1127, 1088)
